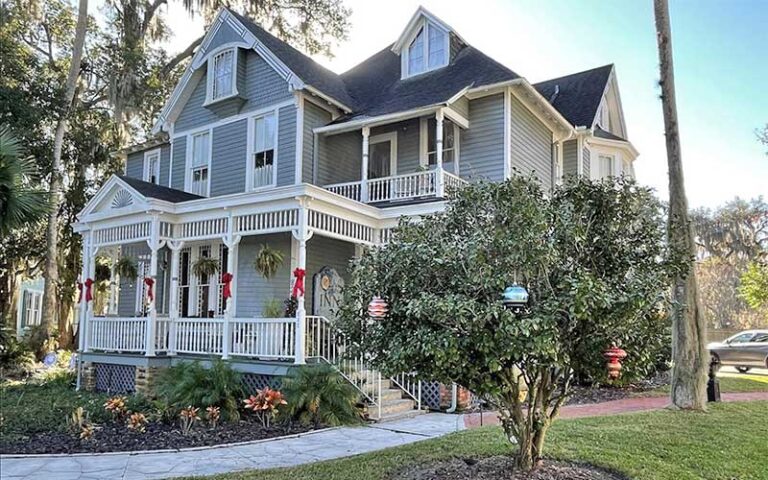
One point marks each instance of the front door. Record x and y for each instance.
(382, 155)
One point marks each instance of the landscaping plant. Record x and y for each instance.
(319, 395)
(268, 261)
(191, 383)
(265, 405)
(127, 268)
(213, 415)
(591, 255)
(188, 416)
(137, 422)
(205, 267)
(116, 406)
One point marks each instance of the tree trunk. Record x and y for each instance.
(51, 269)
(689, 353)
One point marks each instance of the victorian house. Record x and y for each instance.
(262, 153)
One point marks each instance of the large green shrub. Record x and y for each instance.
(591, 254)
(319, 395)
(193, 384)
(16, 358)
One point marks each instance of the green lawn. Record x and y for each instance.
(729, 442)
(729, 383)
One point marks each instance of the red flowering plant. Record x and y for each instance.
(116, 406)
(265, 404)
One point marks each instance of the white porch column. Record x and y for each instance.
(173, 294)
(112, 308)
(302, 235)
(154, 245)
(364, 173)
(83, 339)
(439, 181)
(231, 241)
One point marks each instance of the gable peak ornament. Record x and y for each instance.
(122, 199)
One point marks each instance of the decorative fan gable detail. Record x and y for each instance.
(122, 199)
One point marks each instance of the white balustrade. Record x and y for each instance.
(263, 176)
(340, 226)
(268, 338)
(350, 190)
(162, 334)
(121, 233)
(200, 335)
(452, 182)
(117, 334)
(211, 227)
(267, 221)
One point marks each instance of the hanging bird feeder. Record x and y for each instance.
(378, 308)
(515, 297)
(614, 356)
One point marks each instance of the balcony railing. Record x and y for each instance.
(430, 183)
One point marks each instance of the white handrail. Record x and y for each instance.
(347, 189)
(398, 187)
(117, 334)
(269, 338)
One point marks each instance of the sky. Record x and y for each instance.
(720, 52)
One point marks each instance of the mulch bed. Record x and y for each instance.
(115, 437)
(502, 468)
(588, 395)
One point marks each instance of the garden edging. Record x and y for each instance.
(166, 450)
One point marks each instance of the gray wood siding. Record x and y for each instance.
(179, 162)
(530, 144)
(229, 157)
(408, 134)
(339, 158)
(570, 158)
(314, 116)
(262, 87)
(134, 163)
(253, 290)
(462, 106)
(482, 145)
(323, 251)
(286, 146)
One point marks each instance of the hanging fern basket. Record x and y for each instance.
(268, 261)
(205, 267)
(127, 268)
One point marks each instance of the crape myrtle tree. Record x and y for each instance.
(592, 256)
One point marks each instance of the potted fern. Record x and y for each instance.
(205, 267)
(268, 261)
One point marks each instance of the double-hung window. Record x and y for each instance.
(31, 308)
(263, 154)
(200, 164)
(152, 167)
(450, 141)
(222, 75)
(607, 166)
(428, 50)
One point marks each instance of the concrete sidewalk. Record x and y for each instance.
(285, 452)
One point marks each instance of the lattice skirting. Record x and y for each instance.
(115, 378)
(255, 381)
(430, 395)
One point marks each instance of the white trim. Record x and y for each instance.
(403, 40)
(145, 173)
(378, 120)
(297, 178)
(508, 133)
(390, 137)
(236, 118)
(423, 26)
(580, 155)
(210, 58)
(170, 158)
(250, 149)
(424, 142)
(190, 153)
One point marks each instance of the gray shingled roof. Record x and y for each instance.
(311, 72)
(599, 132)
(579, 94)
(159, 192)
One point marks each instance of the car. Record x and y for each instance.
(745, 350)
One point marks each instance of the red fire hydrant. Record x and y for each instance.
(614, 355)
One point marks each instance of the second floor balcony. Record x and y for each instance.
(407, 187)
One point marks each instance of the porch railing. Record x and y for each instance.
(430, 183)
(263, 338)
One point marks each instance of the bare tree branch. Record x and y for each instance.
(188, 52)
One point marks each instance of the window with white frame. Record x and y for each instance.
(450, 141)
(607, 166)
(152, 167)
(263, 153)
(221, 75)
(200, 164)
(31, 308)
(427, 51)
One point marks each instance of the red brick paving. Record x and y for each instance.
(614, 407)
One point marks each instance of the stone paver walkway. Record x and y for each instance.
(312, 447)
(614, 407)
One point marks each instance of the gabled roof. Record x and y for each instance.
(309, 71)
(577, 96)
(415, 22)
(150, 190)
(599, 132)
(376, 84)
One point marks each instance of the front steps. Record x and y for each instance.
(395, 404)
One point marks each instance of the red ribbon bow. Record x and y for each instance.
(298, 286)
(79, 292)
(88, 296)
(226, 279)
(149, 282)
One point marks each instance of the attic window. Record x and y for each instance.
(427, 51)
(221, 75)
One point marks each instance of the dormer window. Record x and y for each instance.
(427, 51)
(221, 75)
